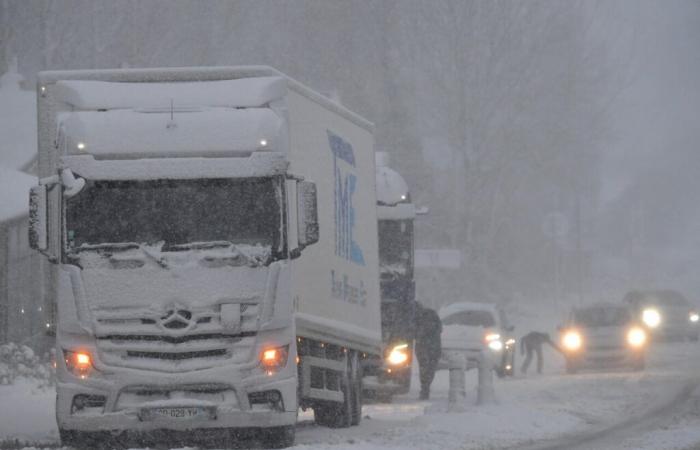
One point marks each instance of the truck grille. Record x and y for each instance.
(193, 340)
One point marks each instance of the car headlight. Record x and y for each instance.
(398, 355)
(572, 340)
(651, 317)
(496, 345)
(693, 317)
(493, 340)
(636, 337)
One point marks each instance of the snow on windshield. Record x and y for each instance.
(175, 212)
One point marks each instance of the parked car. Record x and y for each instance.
(666, 314)
(471, 328)
(603, 335)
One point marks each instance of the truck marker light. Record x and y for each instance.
(694, 317)
(81, 146)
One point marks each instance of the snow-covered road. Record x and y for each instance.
(553, 410)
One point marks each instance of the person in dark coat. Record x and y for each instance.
(532, 343)
(428, 347)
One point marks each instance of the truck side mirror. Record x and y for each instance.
(38, 224)
(307, 213)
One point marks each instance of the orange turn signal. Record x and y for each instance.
(273, 359)
(78, 363)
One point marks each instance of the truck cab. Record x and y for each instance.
(396, 214)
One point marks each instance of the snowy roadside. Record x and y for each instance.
(529, 409)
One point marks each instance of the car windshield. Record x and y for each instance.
(175, 213)
(471, 319)
(602, 317)
(395, 248)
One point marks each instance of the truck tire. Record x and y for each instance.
(278, 437)
(338, 415)
(80, 440)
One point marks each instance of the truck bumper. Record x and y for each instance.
(134, 405)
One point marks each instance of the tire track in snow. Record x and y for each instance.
(608, 437)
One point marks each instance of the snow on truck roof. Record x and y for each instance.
(106, 95)
(199, 74)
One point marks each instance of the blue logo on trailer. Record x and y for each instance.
(345, 187)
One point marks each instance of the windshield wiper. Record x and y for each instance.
(157, 258)
(197, 245)
(115, 246)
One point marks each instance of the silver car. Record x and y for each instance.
(601, 336)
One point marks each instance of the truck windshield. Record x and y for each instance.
(176, 212)
(395, 248)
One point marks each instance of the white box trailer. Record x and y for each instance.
(214, 239)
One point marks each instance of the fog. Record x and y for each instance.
(498, 114)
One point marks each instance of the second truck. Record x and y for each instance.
(390, 374)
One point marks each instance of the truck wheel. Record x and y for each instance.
(278, 437)
(80, 440)
(338, 415)
(355, 388)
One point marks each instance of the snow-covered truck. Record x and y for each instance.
(396, 212)
(213, 234)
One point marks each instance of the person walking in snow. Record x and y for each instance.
(532, 343)
(428, 347)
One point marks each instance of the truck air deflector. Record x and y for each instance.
(105, 95)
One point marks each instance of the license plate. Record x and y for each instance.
(177, 413)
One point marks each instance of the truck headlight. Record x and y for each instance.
(78, 363)
(693, 317)
(636, 337)
(572, 340)
(651, 317)
(493, 340)
(398, 355)
(274, 358)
